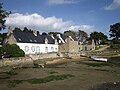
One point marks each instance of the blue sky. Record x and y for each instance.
(61, 15)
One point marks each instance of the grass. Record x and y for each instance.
(98, 47)
(52, 72)
(113, 61)
(7, 74)
(11, 72)
(41, 80)
(93, 64)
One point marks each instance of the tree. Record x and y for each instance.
(26, 29)
(44, 33)
(115, 31)
(13, 50)
(17, 30)
(70, 33)
(82, 36)
(54, 33)
(99, 37)
(3, 15)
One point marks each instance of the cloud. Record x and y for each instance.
(87, 28)
(49, 24)
(56, 2)
(37, 22)
(114, 5)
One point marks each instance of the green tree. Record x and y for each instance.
(115, 31)
(2, 37)
(17, 30)
(70, 33)
(44, 33)
(13, 50)
(82, 35)
(3, 15)
(26, 29)
(99, 37)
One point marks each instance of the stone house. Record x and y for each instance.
(74, 46)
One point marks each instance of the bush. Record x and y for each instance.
(116, 41)
(13, 51)
(115, 44)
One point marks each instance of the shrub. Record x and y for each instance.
(13, 50)
(115, 44)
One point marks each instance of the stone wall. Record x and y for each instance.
(69, 47)
(27, 60)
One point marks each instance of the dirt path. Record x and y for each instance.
(103, 48)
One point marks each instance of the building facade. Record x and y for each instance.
(31, 43)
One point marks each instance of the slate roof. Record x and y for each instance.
(27, 37)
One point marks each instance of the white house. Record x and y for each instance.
(31, 43)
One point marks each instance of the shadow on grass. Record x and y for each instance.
(7, 74)
(93, 64)
(41, 80)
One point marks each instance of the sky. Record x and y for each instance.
(62, 15)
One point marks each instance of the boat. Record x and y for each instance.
(99, 59)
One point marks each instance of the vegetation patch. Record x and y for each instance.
(93, 64)
(11, 72)
(52, 72)
(41, 80)
(115, 61)
(7, 74)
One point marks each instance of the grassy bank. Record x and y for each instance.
(113, 61)
(41, 80)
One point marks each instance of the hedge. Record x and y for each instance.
(12, 50)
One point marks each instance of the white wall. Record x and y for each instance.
(31, 48)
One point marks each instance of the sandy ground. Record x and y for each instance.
(85, 77)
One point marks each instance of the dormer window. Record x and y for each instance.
(35, 40)
(59, 41)
(30, 40)
(19, 39)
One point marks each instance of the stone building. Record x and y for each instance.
(74, 46)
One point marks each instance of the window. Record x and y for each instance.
(85, 48)
(35, 40)
(33, 48)
(38, 49)
(59, 41)
(26, 49)
(30, 40)
(46, 49)
(19, 39)
(56, 49)
(52, 49)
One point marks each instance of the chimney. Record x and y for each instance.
(9, 31)
(46, 41)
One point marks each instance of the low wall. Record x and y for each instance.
(21, 61)
(27, 60)
(45, 55)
